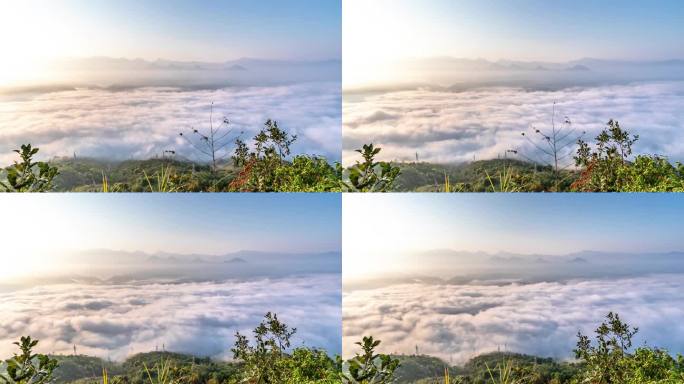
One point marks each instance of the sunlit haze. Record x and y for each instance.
(33, 33)
(387, 234)
(378, 34)
(39, 230)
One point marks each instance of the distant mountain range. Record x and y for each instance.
(585, 256)
(106, 266)
(463, 73)
(123, 64)
(447, 266)
(582, 65)
(110, 256)
(120, 73)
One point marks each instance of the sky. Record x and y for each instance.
(552, 224)
(35, 32)
(377, 33)
(44, 225)
(175, 30)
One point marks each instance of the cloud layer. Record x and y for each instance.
(143, 122)
(458, 322)
(115, 321)
(481, 123)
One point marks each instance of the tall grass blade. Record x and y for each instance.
(105, 183)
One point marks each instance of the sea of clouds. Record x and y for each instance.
(448, 125)
(142, 122)
(458, 322)
(116, 321)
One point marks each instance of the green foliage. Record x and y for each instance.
(505, 181)
(503, 373)
(481, 176)
(27, 367)
(608, 359)
(146, 368)
(88, 175)
(651, 174)
(271, 146)
(73, 367)
(415, 367)
(602, 165)
(607, 167)
(517, 367)
(499, 366)
(27, 175)
(162, 180)
(307, 174)
(653, 365)
(369, 367)
(266, 168)
(271, 338)
(267, 362)
(164, 372)
(370, 175)
(306, 366)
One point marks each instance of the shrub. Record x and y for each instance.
(369, 175)
(265, 168)
(607, 167)
(27, 175)
(27, 367)
(266, 361)
(608, 359)
(369, 367)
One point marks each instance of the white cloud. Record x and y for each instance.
(482, 123)
(458, 322)
(115, 321)
(143, 122)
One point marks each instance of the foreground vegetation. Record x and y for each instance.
(263, 358)
(605, 165)
(608, 358)
(266, 167)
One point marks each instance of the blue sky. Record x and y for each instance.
(524, 223)
(629, 29)
(517, 30)
(176, 29)
(183, 223)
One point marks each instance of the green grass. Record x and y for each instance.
(479, 176)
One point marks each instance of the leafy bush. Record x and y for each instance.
(27, 367)
(608, 359)
(369, 175)
(369, 367)
(307, 174)
(27, 175)
(607, 167)
(266, 361)
(265, 168)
